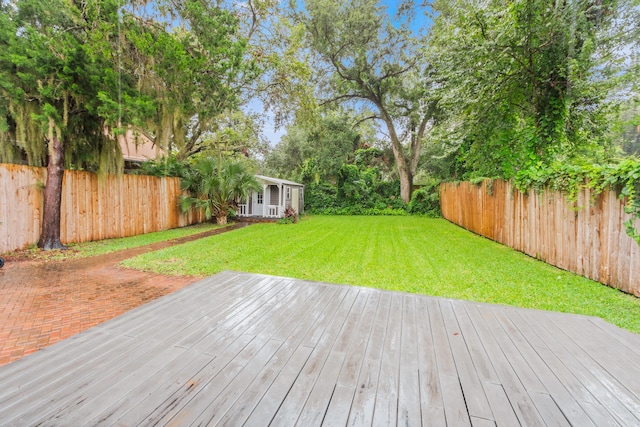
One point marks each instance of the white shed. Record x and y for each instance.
(276, 195)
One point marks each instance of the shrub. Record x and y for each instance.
(359, 210)
(356, 186)
(425, 201)
(359, 190)
(164, 166)
(319, 196)
(290, 216)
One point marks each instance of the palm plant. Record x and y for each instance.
(215, 187)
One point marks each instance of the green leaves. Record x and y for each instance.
(214, 187)
(368, 61)
(524, 75)
(109, 65)
(194, 72)
(61, 62)
(623, 177)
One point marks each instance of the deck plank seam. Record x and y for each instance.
(608, 379)
(369, 357)
(339, 350)
(294, 344)
(278, 350)
(463, 360)
(513, 388)
(560, 388)
(346, 303)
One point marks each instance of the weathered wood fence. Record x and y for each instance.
(587, 237)
(93, 208)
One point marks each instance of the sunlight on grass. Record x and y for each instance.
(411, 254)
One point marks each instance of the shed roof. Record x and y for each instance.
(277, 181)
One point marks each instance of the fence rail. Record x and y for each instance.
(586, 237)
(93, 208)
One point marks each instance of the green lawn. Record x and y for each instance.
(87, 249)
(412, 254)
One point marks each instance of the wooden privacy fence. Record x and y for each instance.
(587, 238)
(92, 208)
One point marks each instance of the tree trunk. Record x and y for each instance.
(221, 220)
(405, 179)
(404, 173)
(416, 142)
(50, 236)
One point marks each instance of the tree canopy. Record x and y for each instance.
(528, 82)
(317, 151)
(447, 89)
(75, 74)
(59, 77)
(365, 58)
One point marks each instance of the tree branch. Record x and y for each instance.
(340, 98)
(372, 117)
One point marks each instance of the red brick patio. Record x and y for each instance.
(42, 302)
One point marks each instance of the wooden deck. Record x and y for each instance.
(243, 349)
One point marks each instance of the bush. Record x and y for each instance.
(359, 210)
(320, 196)
(164, 166)
(357, 187)
(425, 201)
(290, 216)
(359, 190)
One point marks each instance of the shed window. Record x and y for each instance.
(260, 196)
(288, 193)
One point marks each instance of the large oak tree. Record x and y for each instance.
(366, 60)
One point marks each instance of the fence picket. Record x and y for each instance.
(92, 208)
(589, 239)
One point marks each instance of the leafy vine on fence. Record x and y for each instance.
(624, 178)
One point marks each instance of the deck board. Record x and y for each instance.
(361, 411)
(245, 349)
(474, 395)
(507, 376)
(431, 403)
(386, 399)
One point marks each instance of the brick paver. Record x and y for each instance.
(42, 302)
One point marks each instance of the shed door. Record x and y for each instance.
(295, 199)
(257, 202)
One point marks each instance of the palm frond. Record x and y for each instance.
(215, 190)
